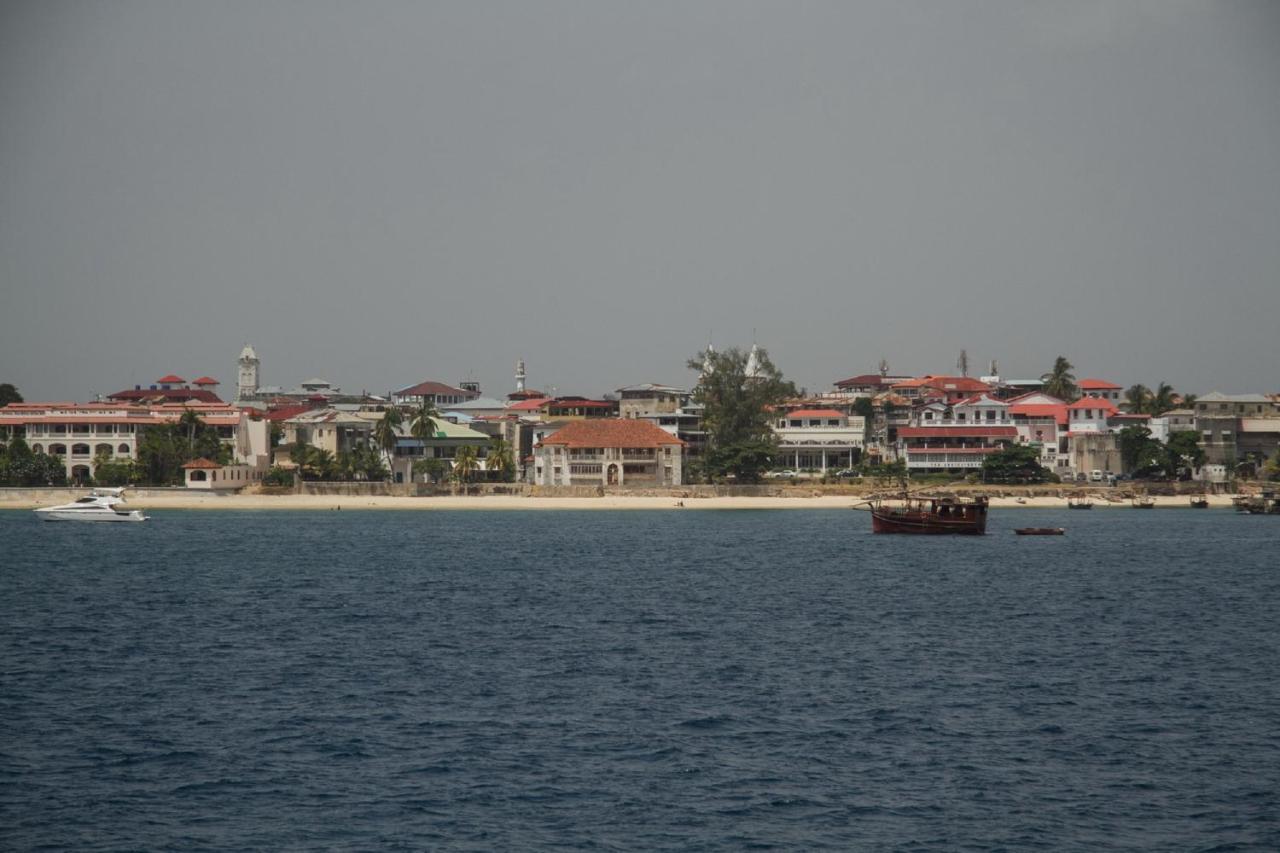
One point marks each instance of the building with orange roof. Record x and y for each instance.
(609, 452)
(818, 439)
(1100, 388)
(82, 433)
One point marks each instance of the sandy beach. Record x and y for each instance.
(194, 501)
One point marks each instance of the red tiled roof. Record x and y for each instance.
(205, 380)
(918, 451)
(433, 388)
(581, 402)
(870, 379)
(976, 398)
(612, 432)
(815, 413)
(1013, 400)
(202, 463)
(1093, 403)
(1097, 385)
(958, 432)
(1040, 410)
(946, 383)
(170, 379)
(173, 395)
(283, 414)
(528, 405)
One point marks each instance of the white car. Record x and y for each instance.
(784, 474)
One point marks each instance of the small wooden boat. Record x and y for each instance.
(1079, 503)
(1144, 503)
(1199, 502)
(1040, 531)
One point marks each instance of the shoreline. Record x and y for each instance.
(237, 502)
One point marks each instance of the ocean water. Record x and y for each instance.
(673, 680)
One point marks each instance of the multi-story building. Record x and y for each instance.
(818, 439)
(438, 393)
(1237, 427)
(609, 452)
(82, 433)
(170, 389)
(1100, 389)
(949, 389)
(952, 448)
(635, 401)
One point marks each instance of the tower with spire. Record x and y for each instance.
(247, 376)
(520, 376)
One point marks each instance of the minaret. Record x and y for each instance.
(247, 384)
(520, 376)
(707, 367)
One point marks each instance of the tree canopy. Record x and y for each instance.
(9, 394)
(738, 411)
(1061, 382)
(1014, 463)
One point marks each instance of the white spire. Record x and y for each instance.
(707, 367)
(520, 375)
(753, 363)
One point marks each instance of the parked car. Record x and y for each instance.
(847, 473)
(784, 474)
(1082, 477)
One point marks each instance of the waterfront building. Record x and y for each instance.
(819, 439)
(329, 428)
(444, 445)
(1237, 427)
(206, 474)
(82, 433)
(1042, 421)
(609, 452)
(1090, 414)
(951, 448)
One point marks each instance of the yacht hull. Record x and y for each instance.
(86, 516)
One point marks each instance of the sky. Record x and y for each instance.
(379, 193)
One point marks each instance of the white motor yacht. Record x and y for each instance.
(98, 505)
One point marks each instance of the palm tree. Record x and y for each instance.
(422, 423)
(498, 460)
(1060, 382)
(190, 423)
(464, 464)
(1138, 398)
(1162, 399)
(386, 432)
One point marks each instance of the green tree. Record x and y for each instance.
(386, 433)
(1162, 399)
(1061, 382)
(464, 464)
(866, 409)
(1014, 463)
(422, 423)
(738, 410)
(498, 462)
(1139, 452)
(431, 470)
(9, 394)
(114, 472)
(1138, 398)
(1183, 451)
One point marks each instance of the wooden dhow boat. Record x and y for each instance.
(936, 515)
(1040, 531)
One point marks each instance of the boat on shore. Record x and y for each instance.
(1266, 503)
(1079, 503)
(1040, 531)
(1199, 501)
(930, 515)
(1144, 502)
(99, 505)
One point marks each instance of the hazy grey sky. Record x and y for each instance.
(383, 192)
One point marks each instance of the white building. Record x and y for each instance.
(609, 452)
(819, 439)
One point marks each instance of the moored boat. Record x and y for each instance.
(98, 505)
(1199, 502)
(930, 515)
(1079, 503)
(1144, 502)
(1040, 531)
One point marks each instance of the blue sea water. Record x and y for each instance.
(639, 680)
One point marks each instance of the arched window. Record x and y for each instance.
(79, 450)
(198, 476)
(123, 450)
(37, 448)
(102, 450)
(58, 449)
